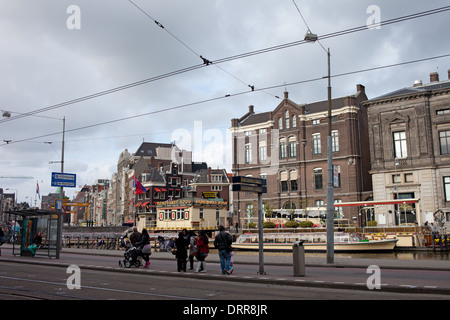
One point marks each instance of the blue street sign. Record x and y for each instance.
(64, 180)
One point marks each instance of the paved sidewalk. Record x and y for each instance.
(242, 257)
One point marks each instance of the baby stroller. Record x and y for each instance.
(131, 257)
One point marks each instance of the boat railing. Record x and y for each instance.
(305, 237)
(377, 229)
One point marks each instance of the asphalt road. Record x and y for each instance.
(102, 279)
(25, 281)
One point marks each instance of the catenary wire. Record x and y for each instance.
(191, 49)
(230, 95)
(227, 59)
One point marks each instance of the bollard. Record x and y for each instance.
(299, 259)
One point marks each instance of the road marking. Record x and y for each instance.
(104, 289)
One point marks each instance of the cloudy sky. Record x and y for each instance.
(58, 51)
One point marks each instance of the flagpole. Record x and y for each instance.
(134, 204)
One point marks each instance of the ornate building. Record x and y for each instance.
(409, 132)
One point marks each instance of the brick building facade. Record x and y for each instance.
(287, 146)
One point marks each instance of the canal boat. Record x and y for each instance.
(316, 242)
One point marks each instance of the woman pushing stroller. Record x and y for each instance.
(144, 248)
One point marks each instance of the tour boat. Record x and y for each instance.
(343, 242)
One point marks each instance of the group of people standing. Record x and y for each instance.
(189, 246)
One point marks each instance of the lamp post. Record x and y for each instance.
(311, 37)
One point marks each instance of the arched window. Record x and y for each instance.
(280, 123)
(289, 205)
(318, 178)
(294, 121)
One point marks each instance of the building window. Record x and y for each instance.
(316, 143)
(202, 214)
(447, 188)
(396, 178)
(444, 141)
(286, 117)
(248, 153)
(294, 186)
(262, 152)
(284, 181)
(180, 214)
(283, 149)
(442, 111)
(319, 203)
(409, 177)
(294, 121)
(249, 210)
(280, 123)
(292, 149)
(400, 149)
(339, 210)
(335, 141)
(315, 122)
(318, 178)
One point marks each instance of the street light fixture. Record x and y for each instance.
(312, 37)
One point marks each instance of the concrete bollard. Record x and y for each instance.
(299, 259)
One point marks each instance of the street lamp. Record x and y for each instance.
(312, 37)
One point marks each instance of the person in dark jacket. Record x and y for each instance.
(144, 248)
(135, 237)
(181, 254)
(223, 242)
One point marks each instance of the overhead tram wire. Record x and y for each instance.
(105, 92)
(231, 95)
(226, 59)
(205, 61)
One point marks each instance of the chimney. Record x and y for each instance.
(286, 94)
(434, 77)
(360, 88)
(448, 71)
(234, 123)
(250, 109)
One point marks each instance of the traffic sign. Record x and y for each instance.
(249, 188)
(63, 180)
(249, 180)
(249, 184)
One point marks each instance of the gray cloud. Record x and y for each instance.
(43, 63)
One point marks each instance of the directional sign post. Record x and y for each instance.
(63, 180)
(249, 184)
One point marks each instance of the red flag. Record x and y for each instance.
(138, 185)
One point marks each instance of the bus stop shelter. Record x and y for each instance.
(33, 222)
